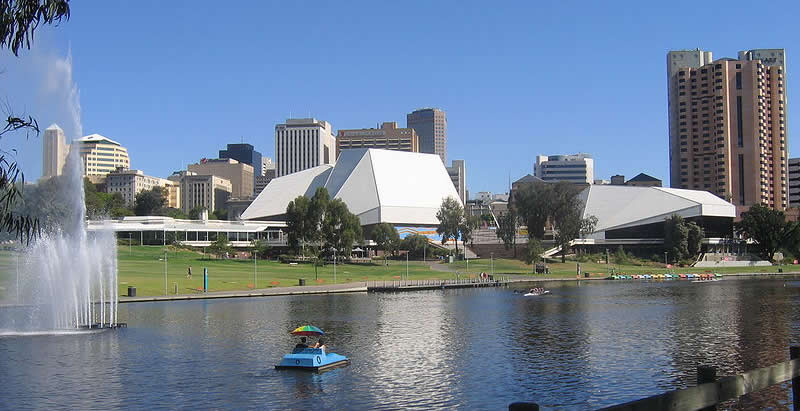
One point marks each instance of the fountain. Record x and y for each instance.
(68, 278)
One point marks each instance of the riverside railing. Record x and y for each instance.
(711, 391)
(456, 282)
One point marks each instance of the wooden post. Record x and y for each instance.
(794, 353)
(523, 406)
(706, 374)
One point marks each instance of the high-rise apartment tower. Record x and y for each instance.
(431, 127)
(728, 126)
(54, 151)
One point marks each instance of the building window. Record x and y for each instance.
(738, 80)
(741, 179)
(740, 135)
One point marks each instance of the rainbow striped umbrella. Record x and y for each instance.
(307, 330)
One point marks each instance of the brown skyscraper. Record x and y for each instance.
(727, 126)
(388, 137)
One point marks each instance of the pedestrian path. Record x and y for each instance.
(264, 292)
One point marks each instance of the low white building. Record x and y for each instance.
(379, 186)
(129, 183)
(576, 168)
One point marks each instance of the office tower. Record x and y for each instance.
(101, 155)
(239, 175)
(54, 151)
(576, 168)
(388, 137)
(129, 183)
(303, 143)
(458, 175)
(431, 127)
(244, 153)
(204, 191)
(727, 125)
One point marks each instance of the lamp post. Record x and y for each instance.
(665, 259)
(130, 241)
(334, 264)
(165, 273)
(407, 252)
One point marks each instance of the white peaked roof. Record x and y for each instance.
(96, 138)
(628, 206)
(379, 186)
(53, 126)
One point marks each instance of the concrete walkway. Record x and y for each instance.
(264, 292)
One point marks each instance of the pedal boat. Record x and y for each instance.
(312, 359)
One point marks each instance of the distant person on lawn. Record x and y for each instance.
(189, 273)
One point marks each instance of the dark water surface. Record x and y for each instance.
(582, 347)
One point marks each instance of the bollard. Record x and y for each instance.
(176, 288)
(301, 281)
(794, 353)
(523, 406)
(205, 279)
(131, 291)
(706, 374)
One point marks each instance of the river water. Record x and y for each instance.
(584, 346)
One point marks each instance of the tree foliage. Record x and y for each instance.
(416, 245)
(694, 238)
(220, 246)
(150, 202)
(768, 228)
(386, 237)
(297, 225)
(341, 228)
(507, 229)
(533, 251)
(19, 19)
(451, 220)
(103, 205)
(682, 239)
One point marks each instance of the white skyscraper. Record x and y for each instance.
(54, 151)
(303, 143)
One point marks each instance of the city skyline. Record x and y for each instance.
(510, 89)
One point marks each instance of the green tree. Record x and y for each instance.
(467, 227)
(534, 251)
(451, 220)
(196, 212)
(386, 237)
(19, 19)
(315, 215)
(768, 228)
(220, 214)
(149, 202)
(220, 246)
(694, 239)
(340, 228)
(175, 213)
(507, 230)
(534, 203)
(261, 248)
(415, 244)
(297, 225)
(676, 237)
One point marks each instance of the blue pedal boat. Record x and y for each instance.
(312, 359)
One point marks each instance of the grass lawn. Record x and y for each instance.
(143, 267)
(568, 269)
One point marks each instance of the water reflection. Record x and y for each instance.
(585, 346)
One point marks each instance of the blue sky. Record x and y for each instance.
(175, 81)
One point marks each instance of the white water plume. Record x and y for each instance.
(66, 279)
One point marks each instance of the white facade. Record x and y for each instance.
(618, 207)
(131, 182)
(303, 143)
(678, 59)
(577, 168)
(54, 151)
(101, 155)
(379, 186)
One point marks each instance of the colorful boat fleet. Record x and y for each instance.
(705, 276)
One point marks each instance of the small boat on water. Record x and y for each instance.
(307, 358)
(536, 294)
(312, 359)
